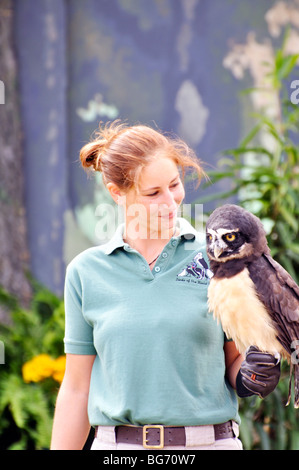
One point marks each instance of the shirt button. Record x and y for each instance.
(157, 269)
(164, 255)
(174, 242)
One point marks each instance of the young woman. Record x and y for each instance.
(147, 365)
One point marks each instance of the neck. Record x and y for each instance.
(151, 246)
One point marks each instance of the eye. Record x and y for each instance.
(154, 193)
(230, 237)
(209, 237)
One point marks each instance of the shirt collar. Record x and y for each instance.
(186, 229)
(117, 241)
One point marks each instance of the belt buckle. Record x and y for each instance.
(145, 431)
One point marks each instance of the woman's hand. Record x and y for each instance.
(259, 374)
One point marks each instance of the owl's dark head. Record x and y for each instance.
(234, 233)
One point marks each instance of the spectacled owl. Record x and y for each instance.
(253, 296)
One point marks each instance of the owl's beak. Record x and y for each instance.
(218, 251)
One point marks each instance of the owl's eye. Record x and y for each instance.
(230, 237)
(209, 237)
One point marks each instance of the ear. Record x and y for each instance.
(116, 194)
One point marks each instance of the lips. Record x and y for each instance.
(167, 212)
(171, 215)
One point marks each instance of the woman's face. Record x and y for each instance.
(152, 210)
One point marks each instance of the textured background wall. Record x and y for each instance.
(175, 64)
(14, 255)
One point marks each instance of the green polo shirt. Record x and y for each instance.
(159, 353)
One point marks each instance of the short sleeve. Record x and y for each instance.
(78, 332)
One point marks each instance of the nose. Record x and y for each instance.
(169, 201)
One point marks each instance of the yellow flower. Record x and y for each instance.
(38, 368)
(59, 369)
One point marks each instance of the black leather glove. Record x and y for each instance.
(258, 375)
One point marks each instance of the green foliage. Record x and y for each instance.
(27, 409)
(263, 175)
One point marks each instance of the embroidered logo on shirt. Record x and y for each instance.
(196, 272)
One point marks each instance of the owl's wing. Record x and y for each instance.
(283, 276)
(280, 295)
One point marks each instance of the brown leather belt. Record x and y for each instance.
(156, 436)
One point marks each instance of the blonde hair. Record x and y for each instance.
(121, 151)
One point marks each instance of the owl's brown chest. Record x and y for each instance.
(235, 303)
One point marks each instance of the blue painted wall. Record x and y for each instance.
(152, 61)
(40, 31)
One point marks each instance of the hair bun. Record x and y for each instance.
(90, 155)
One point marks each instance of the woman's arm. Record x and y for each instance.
(71, 425)
(233, 361)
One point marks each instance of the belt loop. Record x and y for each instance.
(235, 428)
